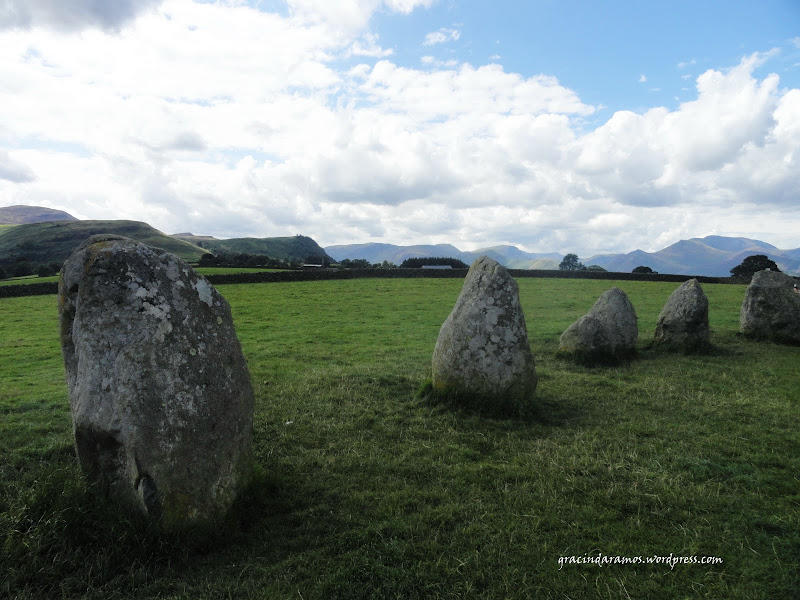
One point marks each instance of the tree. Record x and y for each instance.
(21, 268)
(752, 265)
(44, 271)
(3, 274)
(595, 268)
(644, 270)
(418, 263)
(571, 263)
(355, 263)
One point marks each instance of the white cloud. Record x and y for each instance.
(228, 121)
(368, 46)
(441, 36)
(348, 17)
(642, 78)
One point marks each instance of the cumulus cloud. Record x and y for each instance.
(73, 14)
(229, 121)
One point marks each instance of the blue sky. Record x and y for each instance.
(601, 49)
(585, 126)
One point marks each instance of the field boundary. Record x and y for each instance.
(45, 288)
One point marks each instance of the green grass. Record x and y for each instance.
(369, 490)
(29, 279)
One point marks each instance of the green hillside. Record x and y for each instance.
(54, 241)
(298, 247)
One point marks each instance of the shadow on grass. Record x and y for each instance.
(63, 538)
(543, 409)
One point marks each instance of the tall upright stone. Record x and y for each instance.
(483, 350)
(607, 334)
(771, 308)
(159, 391)
(683, 321)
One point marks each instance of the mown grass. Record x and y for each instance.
(367, 489)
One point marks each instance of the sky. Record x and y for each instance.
(570, 126)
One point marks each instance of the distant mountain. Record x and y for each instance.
(713, 256)
(377, 253)
(298, 247)
(509, 256)
(55, 241)
(20, 215)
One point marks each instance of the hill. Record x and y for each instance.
(52, 242)
(713, 256)
(21, 215)
(298, 247)
(510, 256)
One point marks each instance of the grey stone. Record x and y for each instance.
(606, 334)
(160, 394)
(483, 350)
(683, 321)
(771, 308)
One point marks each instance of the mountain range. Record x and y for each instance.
(45, 235)
(509, 256)
(712, 256)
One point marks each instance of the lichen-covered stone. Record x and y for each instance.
(683, 321)
(771, 308)
(482, 349)
(606, 334)
(159, 391)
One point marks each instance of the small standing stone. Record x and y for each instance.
(607, 334)
(683, 322)
(159, 391)
(771, 308)
(482, 349)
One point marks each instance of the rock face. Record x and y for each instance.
(683, 322)
(482, 349)
(606, 334)
(771, 308)
(159, 391)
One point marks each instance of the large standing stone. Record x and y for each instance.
(606, 334)
(771, 308)
(483, 350)
(160, 394)
(683, 322)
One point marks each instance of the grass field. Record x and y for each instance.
(367, 489)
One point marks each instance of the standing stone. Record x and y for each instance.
(483, 350)
(771, 308)
(683, 322)
(160, 394)
(607, 334)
